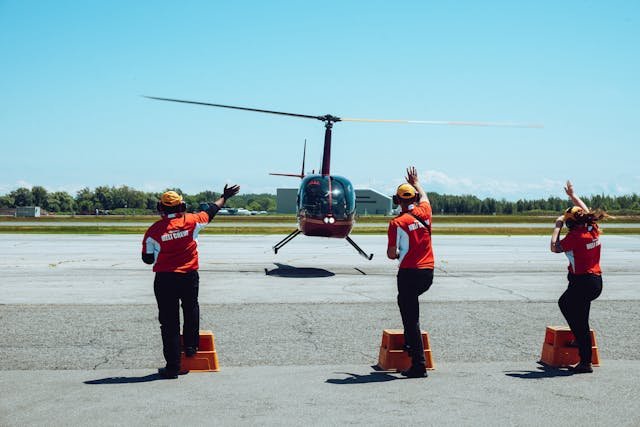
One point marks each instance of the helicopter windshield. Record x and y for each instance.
(324, 195)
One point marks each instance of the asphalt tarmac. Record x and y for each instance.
(297, 334)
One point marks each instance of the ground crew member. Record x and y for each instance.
(409, 241)
(582, 246)
(170, 244)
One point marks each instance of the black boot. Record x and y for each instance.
(167, 374)
(582, 368)
(415, 372)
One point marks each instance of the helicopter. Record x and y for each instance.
(326, 203)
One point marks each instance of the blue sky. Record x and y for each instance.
(72, 73)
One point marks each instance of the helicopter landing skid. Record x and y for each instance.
(286, 240)
(357, 248)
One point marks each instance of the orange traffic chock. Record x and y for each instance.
(392, 354)
(206, 359)
(556, 351)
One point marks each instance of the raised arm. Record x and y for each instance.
(555, 235)
(412, 178)
(227, 193)
(575, 199)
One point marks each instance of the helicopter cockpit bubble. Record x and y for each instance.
(322, 196)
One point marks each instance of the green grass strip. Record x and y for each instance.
(266, 219)
(488, 231)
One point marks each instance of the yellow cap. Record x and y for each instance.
(171, 198)
(406, 191)
(570, 213)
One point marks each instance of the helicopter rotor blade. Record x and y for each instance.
(330, 118)
(306, 116)
(447, 123)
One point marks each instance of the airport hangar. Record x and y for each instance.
(368, 202)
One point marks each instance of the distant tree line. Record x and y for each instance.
(125, 199)
(468, 204)
(122, 199)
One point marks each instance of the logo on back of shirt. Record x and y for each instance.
(174, 234)
(593, 244)
(416, 225)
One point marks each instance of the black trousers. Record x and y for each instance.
(575, 304)
(412, 283)
(171, 289)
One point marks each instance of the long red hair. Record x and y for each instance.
(578, 216)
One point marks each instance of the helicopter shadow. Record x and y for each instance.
(290, 271)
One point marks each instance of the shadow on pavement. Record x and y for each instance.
(125, 380)
(373, 377)
(284, 270)
(542, 372)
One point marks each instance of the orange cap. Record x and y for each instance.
(406, 191)
(570, 213)
(171, 198)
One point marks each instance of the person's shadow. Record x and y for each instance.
(543, 371)
(372, 377)
(125, 380)
(284, 270)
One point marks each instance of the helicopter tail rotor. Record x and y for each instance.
(294, 175)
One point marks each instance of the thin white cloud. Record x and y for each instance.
(155, 187)
(511, 190)
(434, 177)
(8, 188)
(443, 183)
(440, 182)
(72, 189)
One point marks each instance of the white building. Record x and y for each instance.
(28, 211)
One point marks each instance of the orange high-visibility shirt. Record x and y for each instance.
(174, 242)
(412, 239)
(582, 246)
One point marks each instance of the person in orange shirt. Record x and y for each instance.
(581, 245)
(171, 245)
(409, 241)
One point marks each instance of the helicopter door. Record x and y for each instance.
(313, 200)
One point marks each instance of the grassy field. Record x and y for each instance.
(517, 225)
(442, 219)
(481, 231)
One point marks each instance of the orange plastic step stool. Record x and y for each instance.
(392, 354)
(556, 353)
(206, 359)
